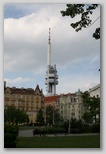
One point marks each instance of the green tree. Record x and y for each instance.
(52, 115)
(57, 118)
(12, 115)
(40, 117)
(92, 107)
(49, 115)
(83, 11)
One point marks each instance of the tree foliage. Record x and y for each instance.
(52, 115)
(10, 135)
(40, 117)
(84, 11)
(12, 115)
(92, 107)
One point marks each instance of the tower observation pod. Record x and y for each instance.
(51, 79)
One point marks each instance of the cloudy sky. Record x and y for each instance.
(76, 54)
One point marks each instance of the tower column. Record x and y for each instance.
(51, 74)
(49, 51)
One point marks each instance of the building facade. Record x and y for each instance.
(28, 100)
(95, 91)
(68, 105)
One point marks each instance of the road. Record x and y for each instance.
(29, 133)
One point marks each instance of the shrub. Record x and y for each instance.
(10, 135)
(96, 128)
(86, 128)
(75, 131)
(53, 130)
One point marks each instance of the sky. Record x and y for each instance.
(76, 54)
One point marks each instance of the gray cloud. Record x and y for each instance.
(26, 41)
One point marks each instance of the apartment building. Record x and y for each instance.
(95, 91)
(28, 100)
(68, 105)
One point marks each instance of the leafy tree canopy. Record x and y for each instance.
(84, 11)
(92, 107)
(40, 117)
(14, 115)
(52, 115)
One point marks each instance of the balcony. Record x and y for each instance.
(52, 81)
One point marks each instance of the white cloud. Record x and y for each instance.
(18, 80)
(26, 41)
(72, 84)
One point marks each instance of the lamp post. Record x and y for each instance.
(45, 115)
(69, 125)
(33, 119)
(53, 114)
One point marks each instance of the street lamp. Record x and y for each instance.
(33, 119)
(53, 114)
(45, 115)
(69, 125)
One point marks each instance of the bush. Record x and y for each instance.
(53, 130)
(96, 128)
(75, 131)
(10, 135)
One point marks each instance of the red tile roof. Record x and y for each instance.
(50, 98)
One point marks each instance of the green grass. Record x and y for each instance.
(59, 142)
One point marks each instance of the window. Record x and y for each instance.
(37, 103)
(71, 99)
(74, 99)
(73, 114)
(97, 96)
(27, 97)
(7, 102)
(13, 102)
(78, 105)
(13, 96)
(27, 109)
(32, 97)
(32, 103)
(7, 95)
(31, 108)
(27, 103)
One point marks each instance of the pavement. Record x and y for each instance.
(29, 133)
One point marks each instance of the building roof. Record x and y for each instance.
(94, 88)
(23, 91)
(49, 99)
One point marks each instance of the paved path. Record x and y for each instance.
(26, 133)
(29, 133)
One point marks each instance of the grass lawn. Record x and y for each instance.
(59, 142)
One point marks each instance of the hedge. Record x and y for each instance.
(10, 135)
(53, 130)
